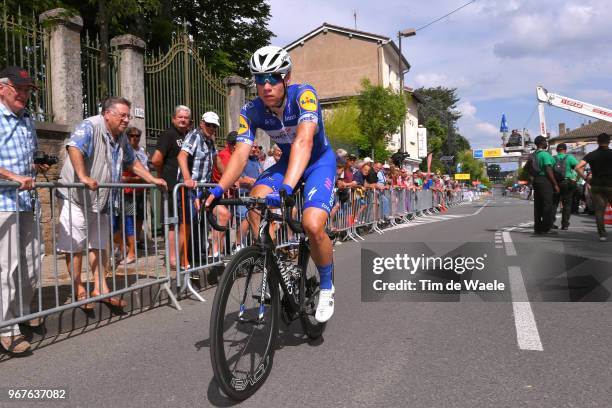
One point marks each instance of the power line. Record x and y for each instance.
(446, 15)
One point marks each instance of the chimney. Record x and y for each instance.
(561, 129)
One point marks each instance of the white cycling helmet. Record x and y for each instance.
(270, 60)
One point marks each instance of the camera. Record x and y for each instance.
(40, 157)
(399, 158)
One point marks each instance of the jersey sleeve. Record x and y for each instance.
(247, 124)
(308, 104)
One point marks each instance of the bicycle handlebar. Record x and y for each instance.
(289, 203)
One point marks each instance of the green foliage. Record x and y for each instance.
(226, 32)
(440, 103)
(382, 112)
(342, 127)
(475, 167)
(494, 170)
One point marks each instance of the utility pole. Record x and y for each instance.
(409, 32)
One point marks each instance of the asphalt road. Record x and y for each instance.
(533, 349)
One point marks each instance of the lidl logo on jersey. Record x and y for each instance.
(308, 101)
(243, 126)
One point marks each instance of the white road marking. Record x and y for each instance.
(527, 335)
(435, 218)
(510, 249)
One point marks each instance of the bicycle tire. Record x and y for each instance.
(310, 274)
(240, 382)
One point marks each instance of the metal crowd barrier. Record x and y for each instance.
(203, 251)
(54, 279)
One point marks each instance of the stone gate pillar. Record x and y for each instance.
(65, 70)
(131, 77)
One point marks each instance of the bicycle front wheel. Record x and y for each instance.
(244, 325)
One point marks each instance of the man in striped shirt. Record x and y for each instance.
(196, 159)
(19, 244)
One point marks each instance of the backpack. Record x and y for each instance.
(559, 169)
(531, 166)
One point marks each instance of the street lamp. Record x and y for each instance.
(409, 32)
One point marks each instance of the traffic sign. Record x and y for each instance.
(478, 153)
(462, 176)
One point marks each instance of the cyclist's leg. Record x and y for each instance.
(270, 180)
(319, 199)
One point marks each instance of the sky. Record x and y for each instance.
(495, 52)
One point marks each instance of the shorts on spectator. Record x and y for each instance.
(73, 229)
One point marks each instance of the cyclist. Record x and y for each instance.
(291, 116)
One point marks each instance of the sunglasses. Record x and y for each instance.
(272, 79)
(135, 135)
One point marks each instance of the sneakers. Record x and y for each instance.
(15, 344)
(325, 307)
(603, 238)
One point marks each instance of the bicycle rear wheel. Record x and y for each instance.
(310, 275)
(243, 331)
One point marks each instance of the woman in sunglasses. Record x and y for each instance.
(291, 116)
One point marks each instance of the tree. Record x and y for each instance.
(494, 171)
(475, 167)
(225, 32)
(342, 127)
(382, 112)
(440, 103)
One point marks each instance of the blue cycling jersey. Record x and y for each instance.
(302, 106)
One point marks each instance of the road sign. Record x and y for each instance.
(498, 152)
(478, 153)
(462, 176)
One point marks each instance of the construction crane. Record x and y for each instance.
(570, 104)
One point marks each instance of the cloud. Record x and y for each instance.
(478, 132)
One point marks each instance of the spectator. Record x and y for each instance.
(600, 182)
(98, 149)
(165, 161)
(349, 171)
(341, 155)
(134, 206)
(567, 185)
(544, 185)
(199, 145)
(245, 183)
(225, 154)
(19, 142)
(274, 156)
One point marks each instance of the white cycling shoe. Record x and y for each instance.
(325, 307)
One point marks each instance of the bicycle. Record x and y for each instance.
(243, 319)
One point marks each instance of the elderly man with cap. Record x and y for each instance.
(544, 186)
(19, 237)
(196, 159)
(567, 184)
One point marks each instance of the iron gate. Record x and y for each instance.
(180, 77)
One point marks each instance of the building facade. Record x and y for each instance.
(336, 59)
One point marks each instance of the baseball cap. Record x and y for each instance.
(211, 117)
(351, 157)
(341, 153)
(231, 137)
(561, 146)
(367, 160)
(18, 76)
(386, 166)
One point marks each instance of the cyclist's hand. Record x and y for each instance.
(274, 200)
(214, 195)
